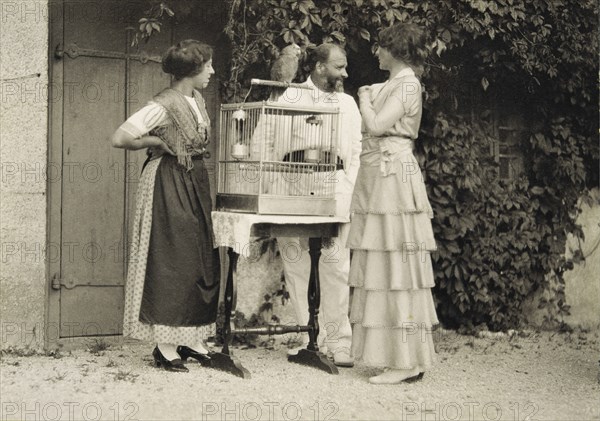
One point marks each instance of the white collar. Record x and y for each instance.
(407, 71)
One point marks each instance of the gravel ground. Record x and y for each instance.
(524, 376)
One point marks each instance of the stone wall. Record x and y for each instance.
(583, 282)
(23, 155)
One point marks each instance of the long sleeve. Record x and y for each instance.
(144, 120)
(378, 123)
(394, 108)
(351, 121)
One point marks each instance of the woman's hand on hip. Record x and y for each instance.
(164, 148)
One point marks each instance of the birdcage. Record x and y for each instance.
(277, 158)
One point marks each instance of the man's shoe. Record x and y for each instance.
(294, 351)
(342, 358)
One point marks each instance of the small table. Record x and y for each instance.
(235, 231)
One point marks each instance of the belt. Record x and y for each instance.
(150, 157)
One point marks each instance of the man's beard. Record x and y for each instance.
(335, 84)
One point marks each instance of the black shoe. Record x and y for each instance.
(173, 365)
(414, 379)
(186, 352)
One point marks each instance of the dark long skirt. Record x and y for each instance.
(181, 285)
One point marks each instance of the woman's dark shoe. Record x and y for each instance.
(173, 365)
(396, 376)
(186, 352)
(414, 378)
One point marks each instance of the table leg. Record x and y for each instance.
(312, 356)
(225, 360)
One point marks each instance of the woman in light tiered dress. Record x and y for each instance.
(391, 236)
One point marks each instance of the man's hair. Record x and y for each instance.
(321, 54)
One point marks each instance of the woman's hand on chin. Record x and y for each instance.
(364, 91)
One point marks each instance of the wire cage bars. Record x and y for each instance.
(277, 158)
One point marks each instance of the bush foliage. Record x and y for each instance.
(499, 241)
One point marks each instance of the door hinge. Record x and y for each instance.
(58, 283)
(55, 281)
(72, 50)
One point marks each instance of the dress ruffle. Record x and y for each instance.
(402, 348)
(396, 271)
(393, 309)
(401, 192)
(406, 232)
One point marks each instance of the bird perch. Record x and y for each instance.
(275, 84)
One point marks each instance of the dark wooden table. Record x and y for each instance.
(311, 356)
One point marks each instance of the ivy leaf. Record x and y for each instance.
(537, 190)
(365, 34)
(484, 83)
(287, 36)
(316, 19)
(479, 5)
(440, 46)
(399, 15)
(446, 36)
(169, 11)
(339, 36)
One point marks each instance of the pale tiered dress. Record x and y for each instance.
(392, 310)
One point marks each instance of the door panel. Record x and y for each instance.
(93, 200)
(102, 80)
(91, 311)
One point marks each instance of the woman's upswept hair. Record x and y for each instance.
(186, 58)
(406, 42)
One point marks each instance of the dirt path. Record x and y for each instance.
(533, 376)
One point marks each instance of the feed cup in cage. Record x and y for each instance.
(239, 151)
(313, 119)
(315, 136)
(312, 156)
(239, 115)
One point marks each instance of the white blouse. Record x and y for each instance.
(151, 116)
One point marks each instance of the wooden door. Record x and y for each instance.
(97, 80)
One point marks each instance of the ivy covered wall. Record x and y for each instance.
(501, 238)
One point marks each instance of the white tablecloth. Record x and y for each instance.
(233, 229)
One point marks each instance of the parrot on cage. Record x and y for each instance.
(285, 67)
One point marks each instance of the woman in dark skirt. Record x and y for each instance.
(172, 287)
